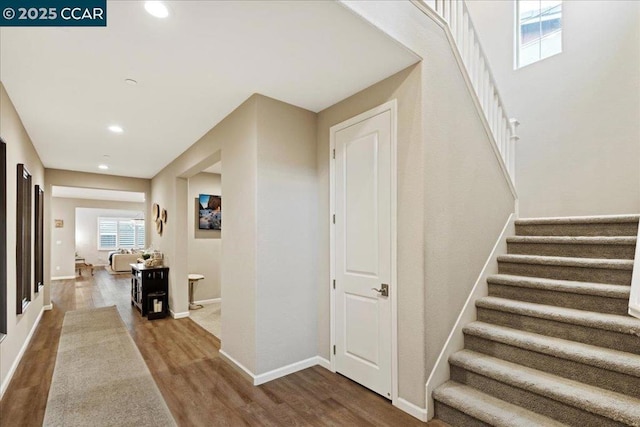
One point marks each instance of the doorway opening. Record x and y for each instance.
(205, 248)
(90, 226)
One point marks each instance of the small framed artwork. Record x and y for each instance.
(210, 216)
(59, 223)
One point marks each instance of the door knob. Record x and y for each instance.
(383, 291)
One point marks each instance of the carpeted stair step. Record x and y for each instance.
(622, 225)
(606, 330)
(613, 370)
(461, 405)
(561, 399)
(613, 271)
(616, 247)
(598, 297)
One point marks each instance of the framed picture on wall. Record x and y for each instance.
(210, 216)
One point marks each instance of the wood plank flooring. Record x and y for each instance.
(199, 387)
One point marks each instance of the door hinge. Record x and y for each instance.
(334, 350)
(334, 153)
(334, 283)
(334, 218)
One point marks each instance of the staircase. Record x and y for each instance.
(553, 344)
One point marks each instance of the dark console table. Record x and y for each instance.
(150, 290)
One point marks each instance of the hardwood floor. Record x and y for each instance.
(199, 387)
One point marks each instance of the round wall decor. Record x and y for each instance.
(155, 211)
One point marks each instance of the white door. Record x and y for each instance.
(363, 252)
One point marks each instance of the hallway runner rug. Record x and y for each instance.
(100, 377)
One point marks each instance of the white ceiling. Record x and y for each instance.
(96, 194)
(193, 68)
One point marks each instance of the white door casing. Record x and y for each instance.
(363, 249)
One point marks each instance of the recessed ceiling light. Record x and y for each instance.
(116, 129)
(130, 82)
(156, 8)
(103, 167)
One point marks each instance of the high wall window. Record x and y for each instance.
(539, 30)
(115, 233)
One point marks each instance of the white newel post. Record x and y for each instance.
(634, 300)
(513, 138)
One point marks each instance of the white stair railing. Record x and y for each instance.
(504, 129)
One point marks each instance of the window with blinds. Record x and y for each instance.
(115, 233)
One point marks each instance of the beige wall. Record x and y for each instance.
(239, 231)
(19, 150)
(165, 189)
(205, 246)
(237, 134)
(267, 282)
(287, 235)
(465, 200)
(579, 134)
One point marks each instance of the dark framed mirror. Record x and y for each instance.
(3, 237)
(23, 238)
(38, 262)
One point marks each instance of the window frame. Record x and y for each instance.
(518, 35)
(135, 222)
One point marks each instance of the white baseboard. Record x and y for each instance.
(455, 341)
(16, 362)
(208, 301)
(275, 373)
(326, 364)
(63, 277)
(180, 315)
(48, 307)
(237, 365)
(400, 403)
(285, 370)
(411, 409)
